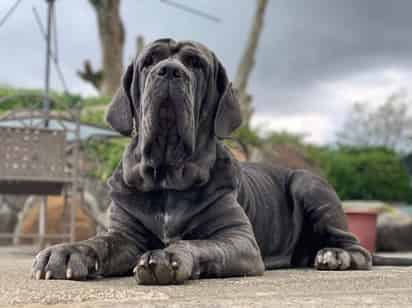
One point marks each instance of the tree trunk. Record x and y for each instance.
(139, 44)
(111, 34)
(247, 62)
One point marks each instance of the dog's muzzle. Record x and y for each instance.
(168, 128)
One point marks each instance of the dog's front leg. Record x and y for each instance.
(227, 247)
(111, 254)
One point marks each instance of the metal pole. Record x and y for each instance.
(42, 222)
(46, 102)
(46, 110)
(77, 189)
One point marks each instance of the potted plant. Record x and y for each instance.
(362, 219)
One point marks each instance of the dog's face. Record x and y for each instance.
(179, 98)
(173, 84)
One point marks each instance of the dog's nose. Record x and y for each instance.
(170, 71)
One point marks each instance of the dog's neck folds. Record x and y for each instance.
(194, 172)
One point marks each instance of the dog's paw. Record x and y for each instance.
(65, 261)
(335, 259)
(161, 267)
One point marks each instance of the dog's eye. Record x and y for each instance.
(148, 61)
(194, 62)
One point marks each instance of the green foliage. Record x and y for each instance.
(106, 153)
(19, 99)
(32, 98)
(253, 137)
(364, 174)
(248, 136)
(93, 116)
(29, 98)
(95, 101)
(284, 137)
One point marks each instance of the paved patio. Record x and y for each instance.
(381, 287)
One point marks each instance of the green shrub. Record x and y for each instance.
(33, 98)
(364, 173)
(284, 137)
(94, 116)
(106, 154)
(247, 136)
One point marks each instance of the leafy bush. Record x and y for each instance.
(94, 116)
(106, 153)
(284, 137)
(248, 136)
(364, 173)
(31, 98)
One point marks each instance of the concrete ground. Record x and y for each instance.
(381, 287)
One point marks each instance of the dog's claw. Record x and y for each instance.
(162, 267)
(332, 259)
(38, 275)
(69, 273)
(48, 275)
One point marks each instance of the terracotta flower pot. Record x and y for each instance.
(362, 223)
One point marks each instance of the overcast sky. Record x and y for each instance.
(314, 60)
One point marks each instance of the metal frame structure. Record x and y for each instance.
(70, 184)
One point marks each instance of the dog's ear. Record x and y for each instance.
(228, 115)
(120, 112)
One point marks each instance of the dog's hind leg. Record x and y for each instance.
(338, 249)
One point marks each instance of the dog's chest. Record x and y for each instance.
(170, 217)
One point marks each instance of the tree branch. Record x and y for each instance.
(91, 76)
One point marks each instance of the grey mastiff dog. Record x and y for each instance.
(182, 207)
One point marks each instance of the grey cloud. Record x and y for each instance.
(304, 42)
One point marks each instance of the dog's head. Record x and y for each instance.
(178, 97)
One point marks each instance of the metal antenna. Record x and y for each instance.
(55, 36)
(191, 10)
(46, 101)
(9, 12)
(53, 54)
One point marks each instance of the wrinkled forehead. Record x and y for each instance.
(171, 47)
